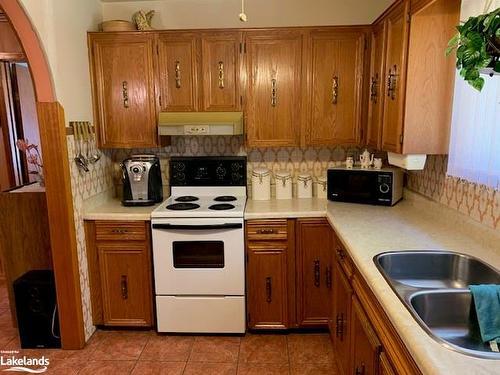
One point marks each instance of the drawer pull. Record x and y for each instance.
(221, 74)
(124, 287)
(119, 231)
(266, 231)
(340, 254)
(335, 89)
(317, 275)
(329, 277)
(269, 290)
(274, 92)
(178, 74)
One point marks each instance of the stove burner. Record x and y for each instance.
(186, 198)
(182, 206)
(221, 206)
(225, 198)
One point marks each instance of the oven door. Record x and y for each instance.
(199, 256)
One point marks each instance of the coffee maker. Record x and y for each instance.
(141, 177)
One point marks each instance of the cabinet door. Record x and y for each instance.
(125, 272)
(267, 286)
(220, 67)
(341, 315)
(395, 77)
(336, 81)
(365, 344)
(314, 272)
(377, 69)
(124, 89)
(274, 79)
(178, 71)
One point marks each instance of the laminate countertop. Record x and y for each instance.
(112, 209)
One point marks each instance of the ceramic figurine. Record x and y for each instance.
(349, 162)
(377, 163)
(366, 159)
(143, 20)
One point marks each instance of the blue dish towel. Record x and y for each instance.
(486, 299)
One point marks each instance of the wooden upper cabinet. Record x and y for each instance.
(397, 24)
(178, 71)
(314, 256)
(123, 80)
(274, 87)
(336, 59)
(365, 344)
(220, 70)
(431, 77)
(377, 82)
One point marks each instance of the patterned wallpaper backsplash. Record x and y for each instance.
(295, 160)
(479, 202)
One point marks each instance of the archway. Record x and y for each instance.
(57, 179)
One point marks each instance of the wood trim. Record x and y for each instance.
(291, 256)
(12, 56)
(62, 223)
(386, 12)
(387, 334)
(94, 274)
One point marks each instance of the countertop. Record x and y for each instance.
(415, 223)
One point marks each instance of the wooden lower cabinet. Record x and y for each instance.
(340, 323)
(314, 258)
(365, 346)
(120, 272)
(267, 286)
(385, 367)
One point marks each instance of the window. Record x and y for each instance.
(475, 133)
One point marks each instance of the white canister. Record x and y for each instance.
(321, 187)
(304, 186)
(283, 185)
(261, 184)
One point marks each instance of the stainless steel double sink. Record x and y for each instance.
(433, 285)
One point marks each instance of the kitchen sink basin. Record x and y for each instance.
(433, 285)
(447, 315)
(435, 269)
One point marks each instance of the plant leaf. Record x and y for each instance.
(496, 68)
(477, 83)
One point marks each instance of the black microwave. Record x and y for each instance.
(369, 186)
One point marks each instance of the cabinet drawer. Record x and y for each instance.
(120, 230)
(266, 230)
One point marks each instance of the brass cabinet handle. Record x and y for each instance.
(178, 74)
(124, 286)
(360, 370)
(374, 89)
(221, 74)
(119, 231)
(340, 254)
(265, 231)
(125, 94)
(269, 290)
(329, 277)
(335, 89)
(392, 82)
(316, 273)
(338, 322)
(274, 92)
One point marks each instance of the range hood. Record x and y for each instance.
(200, 123)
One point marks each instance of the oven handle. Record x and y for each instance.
(198, 227)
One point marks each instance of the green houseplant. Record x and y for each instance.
(478, 47)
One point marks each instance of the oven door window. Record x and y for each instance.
(198, 254)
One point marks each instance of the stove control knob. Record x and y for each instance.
(180, 176)
(384, 188)
(179, 166)
(220, 171)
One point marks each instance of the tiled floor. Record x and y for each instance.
(132, 352)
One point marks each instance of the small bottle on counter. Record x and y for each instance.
(304, 186)
(283, 185)
(261, 184)
(321, 187)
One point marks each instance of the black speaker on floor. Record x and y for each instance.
(36, 307)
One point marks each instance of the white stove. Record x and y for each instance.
(198, 247)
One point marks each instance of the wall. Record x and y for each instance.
(181, 14)
(62, 27)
